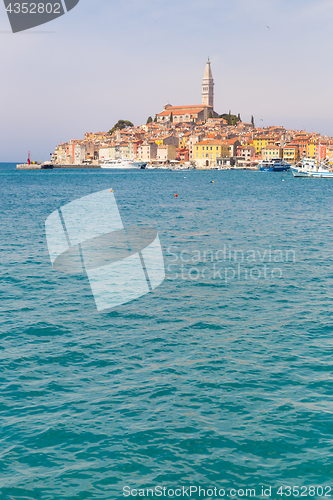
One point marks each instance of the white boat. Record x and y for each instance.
(119, 163)
(138, 164)
(309, 167)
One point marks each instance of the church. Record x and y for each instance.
(199, 112)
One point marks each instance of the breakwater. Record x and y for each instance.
(39, 166)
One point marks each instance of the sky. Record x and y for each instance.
(107, 60)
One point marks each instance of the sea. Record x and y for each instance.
(217, 384)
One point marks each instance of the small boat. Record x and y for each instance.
(138, 164)
(309, 167)
(120, 164)
(47, 166)
(275, 165)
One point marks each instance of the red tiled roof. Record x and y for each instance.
(210, 143)
(181, 110)
(190, 106)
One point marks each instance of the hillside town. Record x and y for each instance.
(195, 135)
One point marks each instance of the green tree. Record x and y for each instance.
(252, 120)
(120, 125)
(155, 119)
(149, 119)
(230, 118)
(210, 115)
(171, 117)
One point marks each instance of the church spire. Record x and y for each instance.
(208, 87)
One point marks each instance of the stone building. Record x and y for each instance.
(194, 112)
(208, 87)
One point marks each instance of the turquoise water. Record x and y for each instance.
(222, 377)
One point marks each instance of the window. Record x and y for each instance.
(211, 148)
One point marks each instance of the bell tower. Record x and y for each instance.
(208, 87)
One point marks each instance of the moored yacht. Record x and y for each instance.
(138, 164)
(274, 165)
(119, 163)
(309, 167)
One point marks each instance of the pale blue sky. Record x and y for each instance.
(108, 60)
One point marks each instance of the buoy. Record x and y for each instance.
(111, 191)
(212, 182)
(176, 195)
